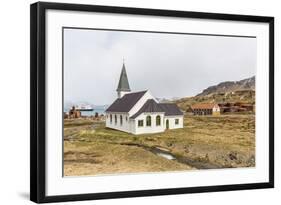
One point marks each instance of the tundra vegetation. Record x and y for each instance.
(205, 142)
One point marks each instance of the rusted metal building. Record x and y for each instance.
(206, 109)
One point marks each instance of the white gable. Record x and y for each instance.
(141, 102)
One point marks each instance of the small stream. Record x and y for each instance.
(165, 153)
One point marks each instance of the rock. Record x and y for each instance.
(251, 161)
(232, 155)
(207, 157)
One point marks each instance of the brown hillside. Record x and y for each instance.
(226, 92)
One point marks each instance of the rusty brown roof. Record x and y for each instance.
(204, 106)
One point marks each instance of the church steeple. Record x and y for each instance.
(123, 85)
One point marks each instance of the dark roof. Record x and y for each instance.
(149, 106)
(123, 84)
(125, 103)
(170, 109)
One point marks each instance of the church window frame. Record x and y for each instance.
(148, 121)
(158, 120)
(121, 120)
(140, 123)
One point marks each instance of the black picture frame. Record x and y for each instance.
(38, 100)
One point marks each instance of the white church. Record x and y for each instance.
(140, 112)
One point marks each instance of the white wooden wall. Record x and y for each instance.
(149, 129)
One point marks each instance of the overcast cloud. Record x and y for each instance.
(169, 65)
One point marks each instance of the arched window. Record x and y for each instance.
(158, 120)
(148, 120)
(110, 118)
(121, 120)
(115, 119)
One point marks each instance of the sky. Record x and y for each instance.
(169, 65)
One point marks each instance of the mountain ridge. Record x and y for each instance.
(224, 92)
(230, 86)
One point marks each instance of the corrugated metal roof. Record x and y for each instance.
(170, 109)
(125, 103)
(149, 106)
(204, 106)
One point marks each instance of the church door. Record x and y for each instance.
(167, 124)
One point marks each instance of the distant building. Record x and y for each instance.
(206, 109)
(65, 115)
(140, 112)
(236, 107)
(246, 107)
(73, 113)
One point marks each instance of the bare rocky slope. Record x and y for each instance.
(230, 86)
(242, 91)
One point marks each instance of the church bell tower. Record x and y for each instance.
(123, 85)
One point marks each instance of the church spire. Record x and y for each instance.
(123, 85)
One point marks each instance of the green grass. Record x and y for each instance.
(214, 137)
